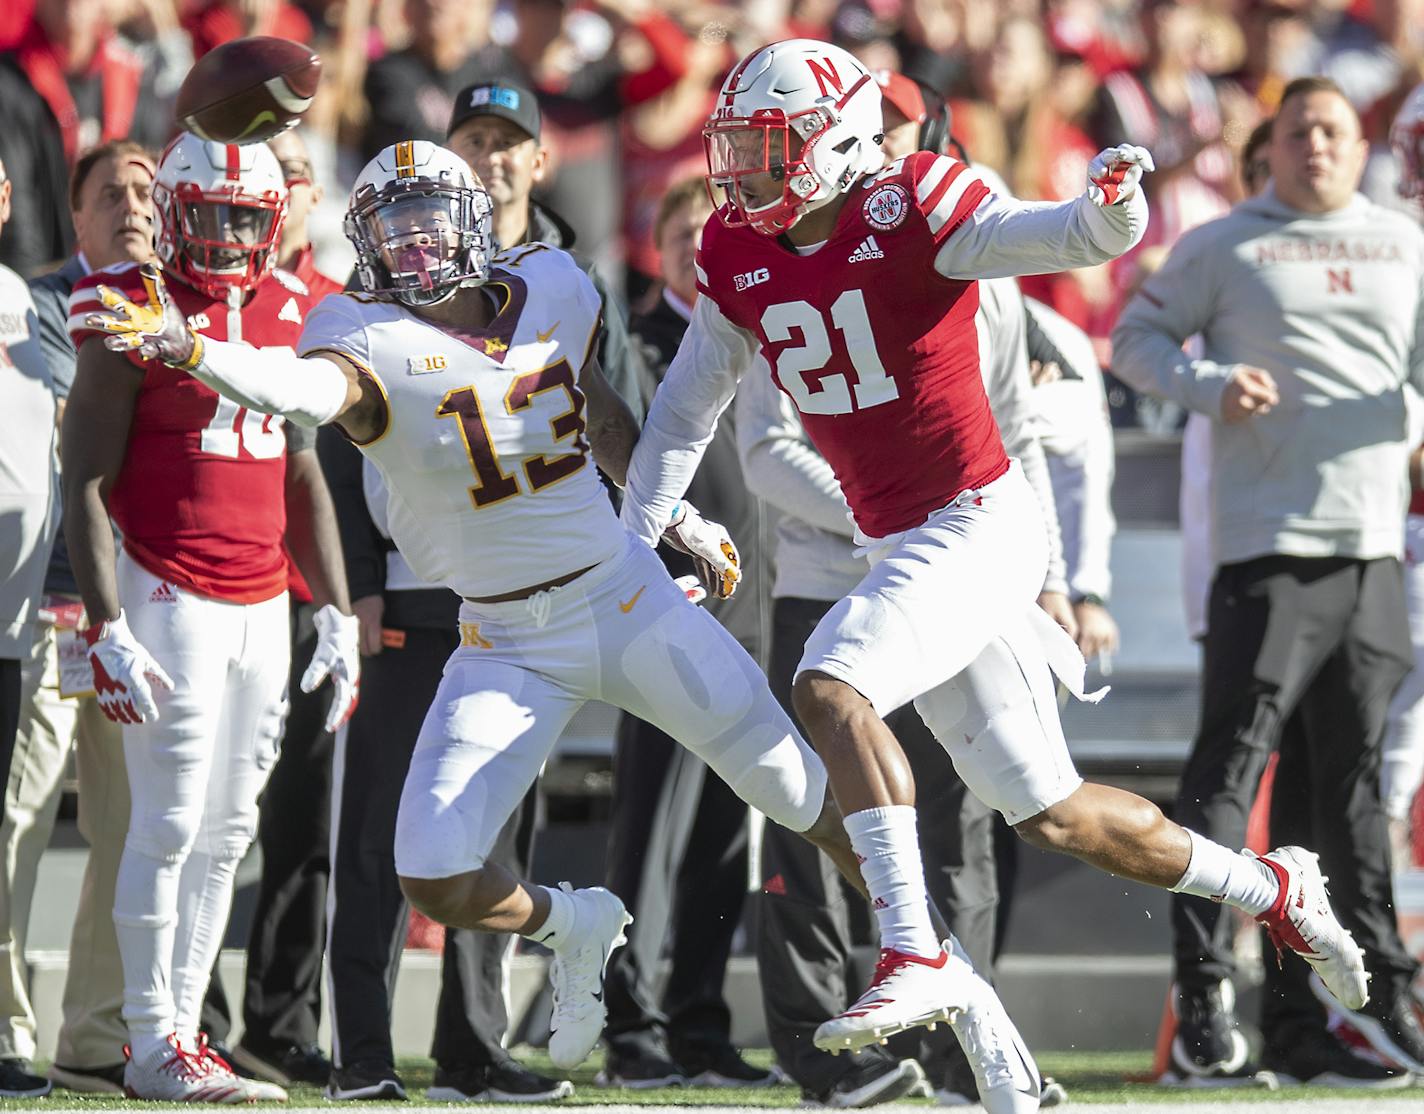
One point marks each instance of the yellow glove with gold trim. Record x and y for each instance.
(156, 330)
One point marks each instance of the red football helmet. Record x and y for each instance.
(1406, 136)
(219, 209)
(795, 124)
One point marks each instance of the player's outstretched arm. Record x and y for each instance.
(1006, 237)
(612, 428)
(700, 383)
(309, 391)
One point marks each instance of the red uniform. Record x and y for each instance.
(878, 350)
(200, 498)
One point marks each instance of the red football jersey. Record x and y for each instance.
(200, 498)
(878, 350)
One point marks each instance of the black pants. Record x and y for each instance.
(677, 856)
(1324, 640)
(368, 913)
(281, 1004)
(808, 916)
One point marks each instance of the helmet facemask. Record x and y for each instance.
(419, 241)
(798, 123)
(219, 240)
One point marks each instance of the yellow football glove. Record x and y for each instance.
(710, 547)
(157, 330)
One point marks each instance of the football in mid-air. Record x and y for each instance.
(248, 90)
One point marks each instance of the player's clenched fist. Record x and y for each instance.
(123, 670)
(710, 547)
(1114, 173)
(337, 656)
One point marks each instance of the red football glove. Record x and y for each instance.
(122, 672)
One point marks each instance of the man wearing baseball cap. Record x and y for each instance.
(495, 127)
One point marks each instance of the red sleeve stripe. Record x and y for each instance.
(959, 199)
(933, 178)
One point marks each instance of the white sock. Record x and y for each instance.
(558, 928)
(143, 1043)
(888, 847)
(145, 922)
(205, 887)
(1228, 876)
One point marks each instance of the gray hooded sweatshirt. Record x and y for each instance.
(1332, 305)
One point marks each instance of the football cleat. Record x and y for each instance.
(253, 1090)
(170, 1073)
(1301, 919)
(906, 991)
(577, 973)
(1004, 1070)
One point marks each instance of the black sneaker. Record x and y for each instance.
(1209, 1044)
(107, 1080)
(870, 1082)
(640, 1072)
(1387, 1023)
(1315, 1056)
(722, 1065)
(283, 1066)
(364, 1080)
(18, 1081)
(509, 1081)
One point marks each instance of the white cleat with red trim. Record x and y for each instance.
(1301, 919)
(907, 990)
(253, 1090)
(170, 1073)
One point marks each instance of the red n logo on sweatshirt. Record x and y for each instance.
(1340, 282)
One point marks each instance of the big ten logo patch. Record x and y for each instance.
(886, 207)
(748, 279)
(424, 365)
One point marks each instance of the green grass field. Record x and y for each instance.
(1091, 1077)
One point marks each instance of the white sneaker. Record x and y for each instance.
(907, 990)
(253, 1090)
(171, 1073)
(577, 973)
(1004, 1070)
(1301, 920)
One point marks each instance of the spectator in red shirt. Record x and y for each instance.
(220, 21)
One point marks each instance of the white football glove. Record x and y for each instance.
(122, 672)
(710, 547)
(1114, 173)
(157, 329)
(337, 656)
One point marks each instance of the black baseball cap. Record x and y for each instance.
(508, 100)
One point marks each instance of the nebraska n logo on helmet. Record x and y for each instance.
(421, 224)
(796, 123)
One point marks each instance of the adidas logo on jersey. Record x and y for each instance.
(868, 249)
(164, 593)
(290, 312)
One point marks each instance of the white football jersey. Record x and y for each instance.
(492, 487)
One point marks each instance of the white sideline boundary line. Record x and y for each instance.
(1383, 1104)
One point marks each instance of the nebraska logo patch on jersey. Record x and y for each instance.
(887, 207)
(290, 312)
(752, 278)
(866, 249)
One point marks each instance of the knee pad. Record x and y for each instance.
(166, 836)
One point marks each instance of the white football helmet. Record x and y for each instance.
(421, 223)
(1406, 136)
(220, 209)
(796, 123)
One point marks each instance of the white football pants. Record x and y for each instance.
(194, 777)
